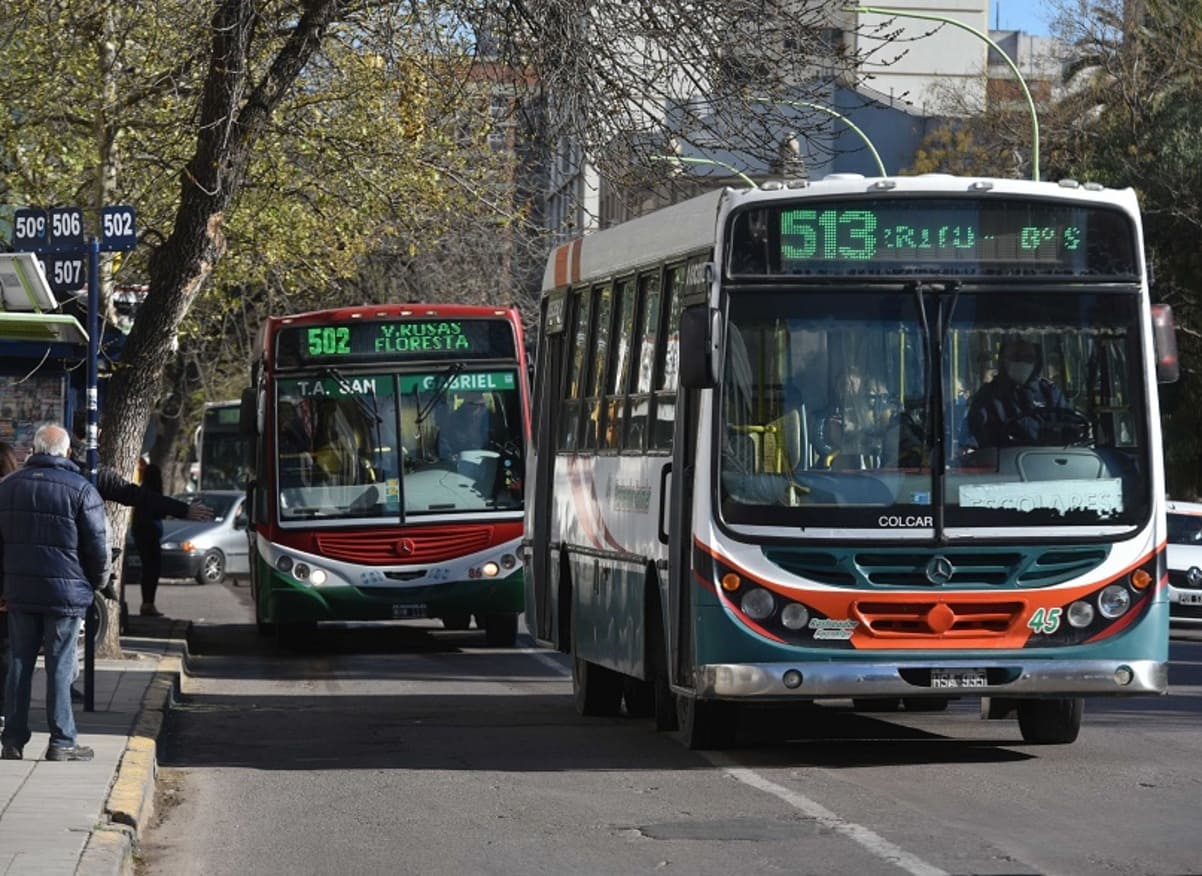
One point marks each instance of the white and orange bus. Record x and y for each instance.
(703, 534)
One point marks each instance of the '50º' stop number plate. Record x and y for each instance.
(952, 678)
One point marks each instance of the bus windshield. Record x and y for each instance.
(398, 445)
(922, 406)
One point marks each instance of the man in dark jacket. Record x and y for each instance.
(54, 556)
(1018, 406)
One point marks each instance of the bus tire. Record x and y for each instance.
(456, 620)
(597, 691)
(501, 629)
(926, 704)
(876, 704)
(296, 636)
(706, 724)
(263, 627)
(1050, 722)
(639, 697)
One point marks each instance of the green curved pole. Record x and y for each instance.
(906, 13)
(844, 119)
(714, 161)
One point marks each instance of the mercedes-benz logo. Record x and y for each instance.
(1194, 576)
(940, 569)
(405, 547)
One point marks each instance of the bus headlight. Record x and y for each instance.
(300, 572)
(757, 604)
(1113, 601)
(318, 577)
(1080, 614)
(508, 561)
(490, 569)
(284, 563)
(794, 616)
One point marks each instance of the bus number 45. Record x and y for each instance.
(1045, 620)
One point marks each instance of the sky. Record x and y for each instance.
(1029, 15)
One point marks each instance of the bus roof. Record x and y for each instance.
(393, 311)
(677, 230)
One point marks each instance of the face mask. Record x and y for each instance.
(1020, 372)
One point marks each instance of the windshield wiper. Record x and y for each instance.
(439, 391)
(368, 409)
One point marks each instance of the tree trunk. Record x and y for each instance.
(233, 115)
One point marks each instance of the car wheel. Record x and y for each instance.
(212, 568)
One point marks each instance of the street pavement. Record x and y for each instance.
(85, 817)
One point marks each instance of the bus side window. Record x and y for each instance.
(622, 343)
(599, 338)
(647, 321)
(569, 429)
(668, 362)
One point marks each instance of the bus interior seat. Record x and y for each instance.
(1060, 464)
(779, 444)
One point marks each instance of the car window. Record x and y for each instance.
(1185, 529)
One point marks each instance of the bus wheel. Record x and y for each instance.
(456, 620)
(706, 724)
(875, 704)
(925, 704)
(596, 690)
(501, 630)
(1050, 722)
(296, 636)
(265, 629)
(639, 697)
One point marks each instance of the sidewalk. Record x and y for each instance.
(58, 819)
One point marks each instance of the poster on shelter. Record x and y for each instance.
(25, 404)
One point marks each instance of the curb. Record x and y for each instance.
(130, 804)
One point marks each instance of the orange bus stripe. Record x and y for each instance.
(577, 245)
(561, 265)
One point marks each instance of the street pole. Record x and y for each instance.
(927, 16)
(714, 161)
(844, 119)
(92, 619)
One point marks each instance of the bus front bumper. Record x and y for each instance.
(1001, 678)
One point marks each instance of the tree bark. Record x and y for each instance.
(233, 116)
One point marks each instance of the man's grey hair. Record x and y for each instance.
(52, 440)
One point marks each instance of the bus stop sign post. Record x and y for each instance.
(56, 237)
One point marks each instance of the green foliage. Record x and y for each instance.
(378, 146)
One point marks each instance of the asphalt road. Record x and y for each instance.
(408, 749)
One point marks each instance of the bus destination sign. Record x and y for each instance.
(958, 236)
(395, 340)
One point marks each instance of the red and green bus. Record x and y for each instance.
(389, 450)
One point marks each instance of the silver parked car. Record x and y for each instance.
(208, 551)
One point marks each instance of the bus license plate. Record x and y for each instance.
(944, 678)
(1189, 598)
(408, 610)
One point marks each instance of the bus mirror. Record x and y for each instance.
(1164, 341)
(700, 333)
(248, 413)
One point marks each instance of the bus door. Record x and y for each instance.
(678, 521)
(542, 583)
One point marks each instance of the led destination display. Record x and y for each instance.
(971, 235)
(366, 341)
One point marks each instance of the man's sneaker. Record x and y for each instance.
(69, 752)
(148, 610)
(10, 752)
